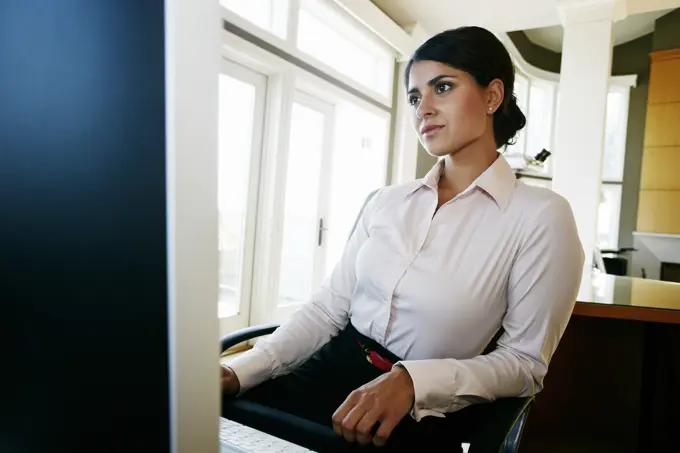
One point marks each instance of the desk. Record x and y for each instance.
(614, 382)
(635, 299)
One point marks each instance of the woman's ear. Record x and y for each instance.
(495, 95)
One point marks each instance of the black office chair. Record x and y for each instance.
(489, 427)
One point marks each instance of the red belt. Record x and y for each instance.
(375, 359)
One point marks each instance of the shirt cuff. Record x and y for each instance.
(251, 368)
(419, 375)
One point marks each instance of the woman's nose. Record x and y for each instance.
(425, 107)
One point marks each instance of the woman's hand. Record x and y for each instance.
(229, 380)
(386, 400)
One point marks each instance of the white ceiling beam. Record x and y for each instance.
(581, 11)
(417, 32)
(380, 24)
(524, 66)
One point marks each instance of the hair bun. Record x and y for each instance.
(507, 122)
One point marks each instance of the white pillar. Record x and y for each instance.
(580, 127)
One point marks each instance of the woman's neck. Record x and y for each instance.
(463, 167)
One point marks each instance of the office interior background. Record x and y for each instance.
(343, 78)
(134, 214)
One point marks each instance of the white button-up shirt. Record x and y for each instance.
(435, 286)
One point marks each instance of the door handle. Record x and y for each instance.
(321, 230)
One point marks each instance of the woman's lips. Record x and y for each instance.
(429, 131)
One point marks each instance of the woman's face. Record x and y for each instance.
(449, 109)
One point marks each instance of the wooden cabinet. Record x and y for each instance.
(663, 124)
(660, 169)
(659, 211)
(659, 202)
(664, 83)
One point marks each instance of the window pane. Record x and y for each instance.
(268, 14)
(236, 119)
(300, 218)
(522, 93)
(359, 165)
(539, 124)
(608, 216)
(331, 38)
(615, 138)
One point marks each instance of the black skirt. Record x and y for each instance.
(317, 388)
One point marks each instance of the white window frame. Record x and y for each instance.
(266, 305)
(356, 33)
(317, 103)
(280, 10)
(317, 87)
(622, 85)
(242, 318)
(284, 79)
(534, 81)
(614, 235)
(289, 46)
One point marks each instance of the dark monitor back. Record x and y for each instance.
(83, 285)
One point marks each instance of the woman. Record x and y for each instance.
(434, 269)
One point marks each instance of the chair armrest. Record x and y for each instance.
(494, 422)
(246, 334)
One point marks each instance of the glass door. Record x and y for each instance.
(242, 95)
(334, 157)
(359, 167)
(303, 242)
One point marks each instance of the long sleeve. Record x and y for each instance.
(317, 321)
(542, 288)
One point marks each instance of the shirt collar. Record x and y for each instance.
(498, 181)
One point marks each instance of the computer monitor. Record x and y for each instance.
(107, 345)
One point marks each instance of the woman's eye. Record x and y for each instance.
(413, 100)
(442, 87)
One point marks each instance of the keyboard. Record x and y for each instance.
(239, 438)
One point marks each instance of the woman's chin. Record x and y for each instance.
(437, 146)
(443, 148)
(437, 151)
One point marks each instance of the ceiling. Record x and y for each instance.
(510, 15)
(502, 15)
(626, 30)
